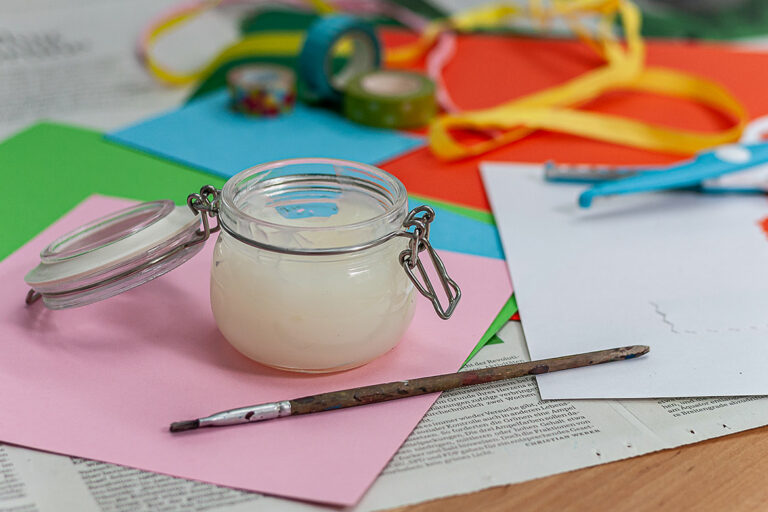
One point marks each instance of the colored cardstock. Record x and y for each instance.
(208, 135)
(104, 381)
(454, 231)
(77, 163)
(488, 70)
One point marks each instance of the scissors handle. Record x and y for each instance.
(691, 173)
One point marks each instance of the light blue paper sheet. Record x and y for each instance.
(453, 232)
(207, 135)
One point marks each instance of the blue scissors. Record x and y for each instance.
(711, 171)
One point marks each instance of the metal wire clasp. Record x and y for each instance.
(206, 203)
(416, 225)
(419, 219)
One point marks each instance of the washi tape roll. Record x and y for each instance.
(316, 58)
(390, 99)
(262, 89)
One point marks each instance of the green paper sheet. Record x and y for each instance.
(54, 167)
(282, 19)
(472, 213)
(490, 338)
(715, 21)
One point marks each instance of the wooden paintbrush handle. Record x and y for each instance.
(403, 389)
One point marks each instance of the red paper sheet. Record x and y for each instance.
(488, 70)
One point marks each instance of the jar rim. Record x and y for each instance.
(230, 188)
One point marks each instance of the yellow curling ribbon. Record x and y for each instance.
(282, 43)
(474, 19)
(555, 109)
(322, 7)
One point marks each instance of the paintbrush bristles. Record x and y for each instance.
(181, 426)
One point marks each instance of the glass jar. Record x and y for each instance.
(280, 299)
(315, 268)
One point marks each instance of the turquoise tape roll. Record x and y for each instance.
(316, 58)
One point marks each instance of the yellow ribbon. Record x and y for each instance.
(281, 44)
(288, 43)
(474, 19)
(278, 43)
(555, 108)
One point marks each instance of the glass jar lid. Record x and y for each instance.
(114, 253)
(313, 206)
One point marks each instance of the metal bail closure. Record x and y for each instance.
(419, 219)
(120, 251)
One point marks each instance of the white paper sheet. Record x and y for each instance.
(685, 273)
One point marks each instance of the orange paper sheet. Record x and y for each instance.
(488, 70)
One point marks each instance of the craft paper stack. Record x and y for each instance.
(113, 375)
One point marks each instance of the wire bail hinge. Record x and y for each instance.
(419, 219)
(206, 203)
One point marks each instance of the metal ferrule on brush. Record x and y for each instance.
(259, 412)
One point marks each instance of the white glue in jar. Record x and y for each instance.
(315, 269)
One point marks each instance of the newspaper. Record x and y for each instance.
(75, 61)
(472, 438)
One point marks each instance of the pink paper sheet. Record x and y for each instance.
(104, 381)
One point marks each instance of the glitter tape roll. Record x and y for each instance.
(316, 57)
(390, 99)
(262, 89)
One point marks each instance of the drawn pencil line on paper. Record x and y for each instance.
(763, 223)
(665, 318)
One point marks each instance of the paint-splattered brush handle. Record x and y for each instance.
(406, 388)
(402, 389)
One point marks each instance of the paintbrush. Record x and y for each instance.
(405, 388)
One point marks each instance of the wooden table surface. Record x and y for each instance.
(725, 474)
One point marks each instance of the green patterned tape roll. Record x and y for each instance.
(390, 99)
